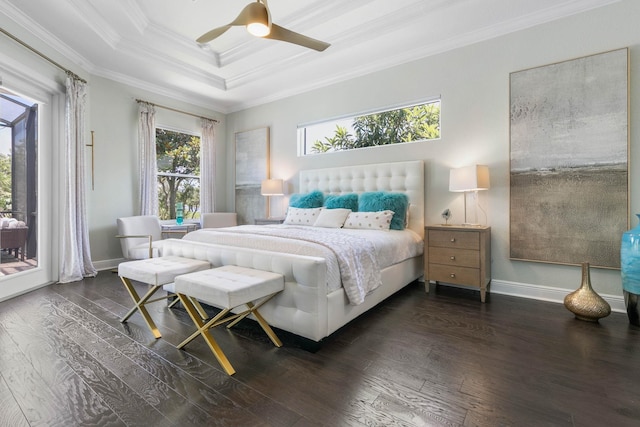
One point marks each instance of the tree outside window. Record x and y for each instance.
(178, 160)
(407, 124)
(5, 182)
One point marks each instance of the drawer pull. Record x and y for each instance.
(452, 258)
(453, 239)
(452, 275)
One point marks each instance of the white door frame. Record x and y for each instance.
(49, 94)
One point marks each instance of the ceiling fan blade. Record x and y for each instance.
(250, 13)
(282, 34)
(216, 32)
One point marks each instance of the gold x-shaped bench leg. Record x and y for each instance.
(139, 305)
(203, 329)
(253, 309)
(174, 302)
(196, 304)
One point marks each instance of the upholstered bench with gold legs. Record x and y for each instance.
(155, 272)
(227, 287)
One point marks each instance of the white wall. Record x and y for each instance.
(114, 120)
(474, 85)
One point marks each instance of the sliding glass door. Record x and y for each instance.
(22, 266)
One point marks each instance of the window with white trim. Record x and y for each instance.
(410, 123)
(178, 162)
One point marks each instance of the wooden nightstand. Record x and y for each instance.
(459, 255)
(266, 221)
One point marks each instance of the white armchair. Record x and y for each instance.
(140, 236)
(218, 219)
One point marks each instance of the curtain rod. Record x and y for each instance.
(177, 111)
(41, 55)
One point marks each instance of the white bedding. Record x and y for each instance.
(354, 258)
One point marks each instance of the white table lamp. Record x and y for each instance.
(271, 187)
(469, 179)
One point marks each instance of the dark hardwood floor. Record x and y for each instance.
(442, 359)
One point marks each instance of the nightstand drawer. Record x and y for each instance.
(454, 239)
(459, 257)
(454, 274)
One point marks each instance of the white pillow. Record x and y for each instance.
(8, 222)
(369, 220)
(332, 218)
(299, 216)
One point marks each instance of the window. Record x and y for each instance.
(416, 122)
(18, 183)
(178, 160)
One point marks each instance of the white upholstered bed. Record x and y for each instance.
(308, 306)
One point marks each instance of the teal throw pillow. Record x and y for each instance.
(310, 200)
(376, 201)
(342, 201)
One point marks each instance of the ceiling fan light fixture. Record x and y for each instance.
(257, 19)
(258, 29)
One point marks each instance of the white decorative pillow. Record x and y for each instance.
(8, 222)
(299, 216)
(332, 218)
(369, 220)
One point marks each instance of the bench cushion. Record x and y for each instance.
(229, 286)
(160, 271)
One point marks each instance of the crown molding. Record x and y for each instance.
(98, 24)
(135, 14)
(227, 78)
(203, 101)
(44, 36)
(387, 60)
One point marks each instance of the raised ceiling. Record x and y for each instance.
(150, 44)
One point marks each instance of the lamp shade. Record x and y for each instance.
(272, 187)
(469, 178)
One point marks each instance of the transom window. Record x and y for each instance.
(178, 160)
(416, 122)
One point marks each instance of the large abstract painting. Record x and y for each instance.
(569, 160)
(252, 166)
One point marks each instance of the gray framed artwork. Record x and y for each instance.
(569, 145)
(252, 166)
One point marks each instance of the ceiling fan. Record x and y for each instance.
(257, 18)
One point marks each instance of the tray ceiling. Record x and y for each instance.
(150, 44)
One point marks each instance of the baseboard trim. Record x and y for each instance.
(547, 293)
(108, 264)
(502, 287)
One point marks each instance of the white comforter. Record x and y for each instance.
(354, 257)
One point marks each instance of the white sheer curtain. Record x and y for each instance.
(208, 166)
(75, 259)
(147, 159)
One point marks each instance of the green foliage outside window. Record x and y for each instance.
(408, 124)
(5, 182)
(178, 160)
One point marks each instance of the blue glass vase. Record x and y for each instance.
(630, 270)
(179, 213)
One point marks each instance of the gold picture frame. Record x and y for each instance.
(569, 151)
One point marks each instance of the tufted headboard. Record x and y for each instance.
(401, 177)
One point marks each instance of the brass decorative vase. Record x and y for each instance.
(584, 302)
